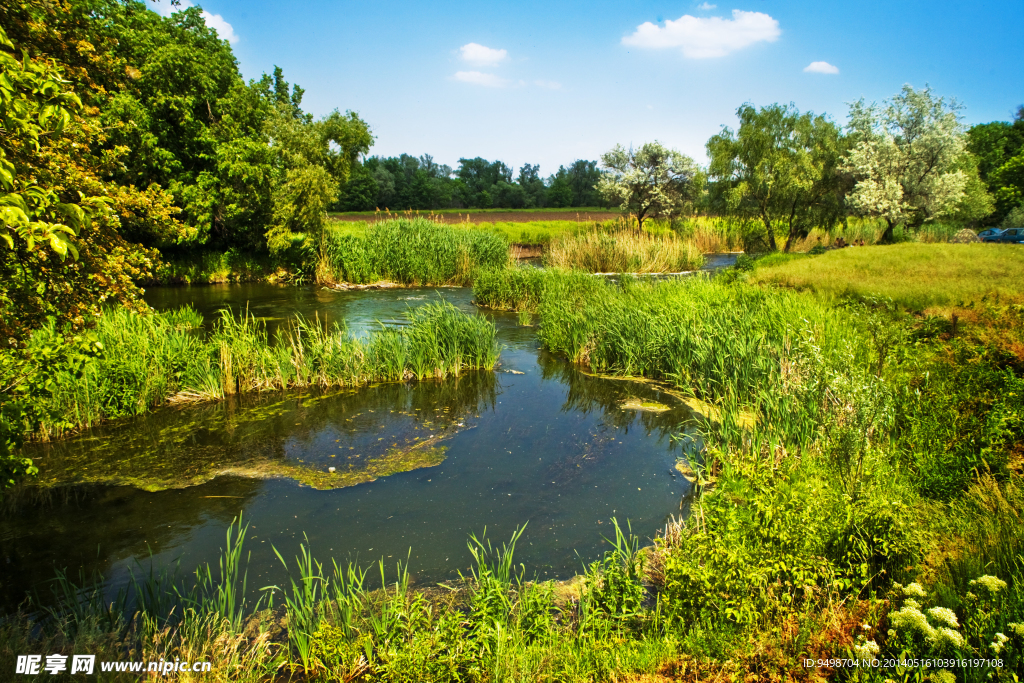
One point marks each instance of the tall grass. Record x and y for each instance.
(624, 251)
(522, 288)
(149, 360)
(409, 252)
(494, 625)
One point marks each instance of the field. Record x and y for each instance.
(591, 213)
(928, 278)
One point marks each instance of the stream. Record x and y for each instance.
(419, 466)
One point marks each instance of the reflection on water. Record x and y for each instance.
(551, 446)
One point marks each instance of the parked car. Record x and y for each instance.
(1011, 236)
(990, 235)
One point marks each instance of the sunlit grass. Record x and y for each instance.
(917, 276)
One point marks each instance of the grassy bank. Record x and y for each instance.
(149, 360)
(872, 505)
(918, 277)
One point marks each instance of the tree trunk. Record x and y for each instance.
(887, 236)
(771, 233)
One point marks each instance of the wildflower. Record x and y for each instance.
(992, 583)
(912, 604)
(997, 644)
(911, 618)
(947, 637)
(943, 676)
(866, 627)
(1018, 629)
(915, 590)
(944, 616)
(866, 650)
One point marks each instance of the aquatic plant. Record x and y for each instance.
(151, 359)
(623, 251)
(410, 251)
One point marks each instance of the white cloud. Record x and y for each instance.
(706, 6)
(224, 30)
(701, 38)
(481, 55)
(478, 78)
(821, 68)
(215, 21)
(550, 85)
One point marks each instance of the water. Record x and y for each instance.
(551, 447)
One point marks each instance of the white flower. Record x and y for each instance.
(866, 650)
(914, 590)
(911, 618)
(993, 583)
(998, 643)
(943, 676)
(912, 604)
(944, 616)
(948, 637)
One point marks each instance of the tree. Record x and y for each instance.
(780, 167)
(649, 182)
(907, 159)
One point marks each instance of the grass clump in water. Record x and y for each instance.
(522, 288)
(152, 359)
(410, 251)
(622, 251)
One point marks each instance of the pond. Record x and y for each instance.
(418, 466)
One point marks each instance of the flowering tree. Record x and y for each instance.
(906, 159)
(650, 181)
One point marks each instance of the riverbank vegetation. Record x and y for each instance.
(146, 360)
(858, 497)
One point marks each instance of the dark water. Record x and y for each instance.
(551, 447)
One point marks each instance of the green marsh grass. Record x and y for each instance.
(414, 251)
(327, 626)
(152, 359)
(521, 288)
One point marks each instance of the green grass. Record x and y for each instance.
(522, 288)
(149, 360)
(917, 276)
(409, 252)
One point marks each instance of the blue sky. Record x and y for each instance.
(548, 82)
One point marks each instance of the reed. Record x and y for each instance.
(149, 360)
(623, 251)
(409, 251)
(522, 288)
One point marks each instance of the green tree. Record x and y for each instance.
(649, 182)
(907, 160)
(780, 167)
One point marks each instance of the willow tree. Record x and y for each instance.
(780, 167)
(908, 159)
(649, 182)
